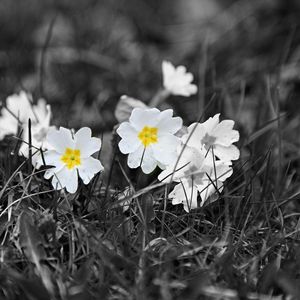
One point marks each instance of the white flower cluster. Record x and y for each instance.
(198, 162)
(69, 155)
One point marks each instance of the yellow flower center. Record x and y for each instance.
(71, 158)
(148, 135)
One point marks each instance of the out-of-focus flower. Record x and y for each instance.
(125, 107)
(40, 125)
(71, 157)
(19, 109)
(148, 138)
(214, 136)
(177, 80)
(195, 174)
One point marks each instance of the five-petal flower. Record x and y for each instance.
(177, 80)
(71, 157)
(149, 138)
(215, 137)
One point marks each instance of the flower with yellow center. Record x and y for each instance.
(149, 138)
(71, 157)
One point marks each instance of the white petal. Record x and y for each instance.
(190, 162)
(165, 150)
(185, 192)
(149, 163)
(66, 178)
(220, 171)
(60, 139)
(87, 144)
(129, 135)
(20, 106)
(135, 158)
(168, 71)
(89, 168)
(167, 123)
(144, 117)
(225, 134)
(193, 138)
(8, 125)
(211, 123)
(49, 173)
(227, 153)
(142, 157)
(53, 158)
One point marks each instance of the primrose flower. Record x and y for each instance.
(214, 136)
(17, 111)
(70, 157)
(177, 80)
(148, 138)
(40, 125)
(195, 174)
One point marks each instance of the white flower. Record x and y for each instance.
(16, 112)
(177, 80)
(149, 138)
(40, 125)
(19, 109)
(214, 136)
(71, 157)
(195, 174)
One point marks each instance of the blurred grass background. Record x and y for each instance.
(83, 55)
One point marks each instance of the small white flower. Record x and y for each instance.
(17, 111)
(149, 138)
(214, 136)
(40, 124)
(177, 80)
(195, 174)
(71, 157)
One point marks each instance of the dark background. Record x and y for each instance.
(83, 55)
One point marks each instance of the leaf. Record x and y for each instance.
(267, 278)
(32, 288)
(30, 242)
(125, 106)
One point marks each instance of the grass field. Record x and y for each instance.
(82, 56)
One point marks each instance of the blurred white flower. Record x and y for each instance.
(177, 80)
(71, 157)
(125, 107)
(19, 109)
(149, 138)
(214, 136)
(40, 125)
(195, 174)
